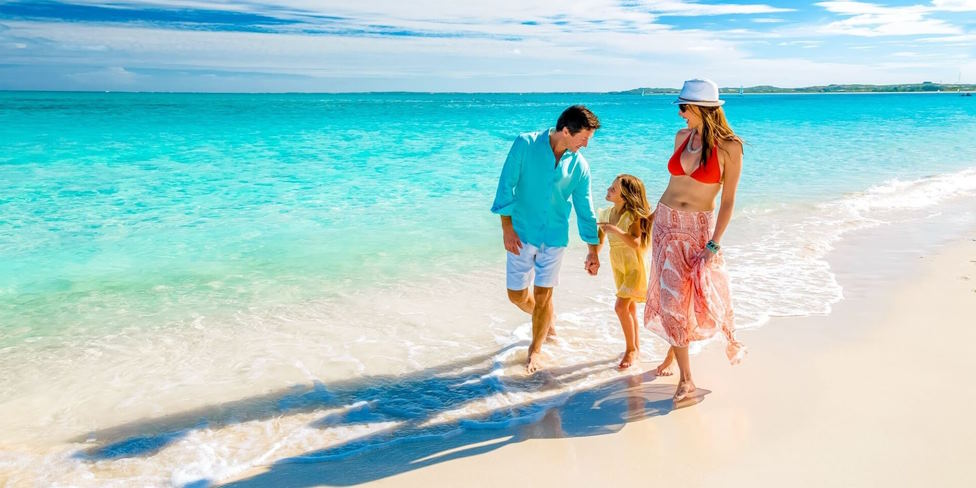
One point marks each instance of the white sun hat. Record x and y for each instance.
(699, 92)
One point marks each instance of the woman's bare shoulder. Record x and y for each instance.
(732, 146)
(681, 135)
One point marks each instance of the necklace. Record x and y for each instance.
(690, 140)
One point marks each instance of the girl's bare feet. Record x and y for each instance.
(628, 359)
(685, 388)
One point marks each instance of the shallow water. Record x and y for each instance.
(194, 284)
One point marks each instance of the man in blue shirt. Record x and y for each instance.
(542, 173)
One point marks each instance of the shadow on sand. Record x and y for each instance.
(604, 409)
(412, 398)
(410, 401)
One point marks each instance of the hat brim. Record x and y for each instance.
(682, 101)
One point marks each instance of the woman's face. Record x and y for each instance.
(613, 193)
(691, 114)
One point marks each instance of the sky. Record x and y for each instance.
(478, 46)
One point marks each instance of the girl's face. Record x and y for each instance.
(613, 193)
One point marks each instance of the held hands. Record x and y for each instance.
(592, 263)
(608, 227)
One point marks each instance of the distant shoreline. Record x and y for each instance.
(926, 87)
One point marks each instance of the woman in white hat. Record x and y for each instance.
(688, 289)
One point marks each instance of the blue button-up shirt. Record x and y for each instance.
(535, 191)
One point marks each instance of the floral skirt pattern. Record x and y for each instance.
(688, 298)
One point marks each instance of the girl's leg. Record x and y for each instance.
(622, 307)
(634, 324)
(685, 384)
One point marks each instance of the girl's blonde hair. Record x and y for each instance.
(714, 127)
(635, 201)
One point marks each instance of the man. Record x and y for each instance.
(543, 171)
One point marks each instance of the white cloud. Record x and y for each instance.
(508, 45)
(955, 5)
(872, 20)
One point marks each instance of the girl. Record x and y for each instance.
(627, 226)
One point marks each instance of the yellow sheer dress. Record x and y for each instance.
(629, 268)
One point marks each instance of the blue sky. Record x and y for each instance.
(503, 45)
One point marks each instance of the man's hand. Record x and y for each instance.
(592, 263)
(509, 237)
(512, 241)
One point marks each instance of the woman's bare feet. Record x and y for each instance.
(630, 357)
(664, 369)
(685, 388)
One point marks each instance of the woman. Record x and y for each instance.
(688, 288)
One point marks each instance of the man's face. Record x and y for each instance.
(580, 139)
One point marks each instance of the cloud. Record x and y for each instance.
(694, 9)
(434, 45)
(955, 5)
(873, 20)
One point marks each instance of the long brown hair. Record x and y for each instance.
(715, 127)
(635, 201)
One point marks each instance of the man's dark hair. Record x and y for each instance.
(577, 118)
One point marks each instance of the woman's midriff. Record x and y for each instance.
(684, 193)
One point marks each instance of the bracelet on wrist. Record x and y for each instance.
(711, 246)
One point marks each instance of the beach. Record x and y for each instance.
(876, 393)
(192, 297)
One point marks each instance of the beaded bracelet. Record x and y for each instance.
(711, 246)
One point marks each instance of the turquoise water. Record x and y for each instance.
(163, 203)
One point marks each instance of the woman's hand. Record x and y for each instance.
(705, 255)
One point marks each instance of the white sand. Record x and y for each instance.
(878, 393)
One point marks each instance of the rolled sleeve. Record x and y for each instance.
(504, 203)
(583, 205)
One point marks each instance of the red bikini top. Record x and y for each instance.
(707, 173)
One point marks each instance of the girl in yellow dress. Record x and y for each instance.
(627, 225)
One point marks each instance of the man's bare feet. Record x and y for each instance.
(685, 388)
(628, 360)
(551, 335)
(532, 363)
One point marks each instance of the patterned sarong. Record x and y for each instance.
(687, 299)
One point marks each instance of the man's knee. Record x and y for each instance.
(543, 295)
(518, 297)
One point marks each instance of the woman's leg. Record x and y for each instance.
(685, 384)
(622, 307)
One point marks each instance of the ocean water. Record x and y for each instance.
(193, 285)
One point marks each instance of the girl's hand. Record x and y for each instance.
(606, 227)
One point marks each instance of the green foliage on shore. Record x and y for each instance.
(832, 88)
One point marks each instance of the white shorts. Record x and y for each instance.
(543, 261)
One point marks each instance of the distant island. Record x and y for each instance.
(925, 86)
